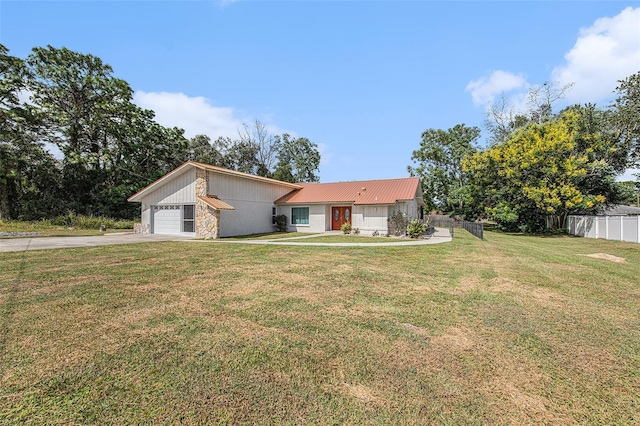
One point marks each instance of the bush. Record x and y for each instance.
(90, 222)
(346, 228)
(397, 223)
(356, 231)
(416, 228)
(281, 223)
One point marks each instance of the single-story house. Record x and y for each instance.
(206, 201)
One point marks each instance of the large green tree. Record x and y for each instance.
(545, 171)
(626, 116)
(438, 163)
(111, 147)
(298, 160)
(29, 175)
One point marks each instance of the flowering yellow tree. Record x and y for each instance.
(535, 178)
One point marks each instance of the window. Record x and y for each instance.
(188, 216)
(299, 215)
(273, 215)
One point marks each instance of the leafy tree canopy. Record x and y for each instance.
(438, 163)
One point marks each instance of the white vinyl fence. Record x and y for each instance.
(619, 228)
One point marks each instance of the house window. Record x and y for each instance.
(273, 215)
(188, 216)
(300, 215)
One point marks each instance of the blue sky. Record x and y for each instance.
(363, 79)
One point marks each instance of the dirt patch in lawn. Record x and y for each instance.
(606, 256)
(455, 339)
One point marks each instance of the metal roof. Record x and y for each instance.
(215, 202)
(384, 191)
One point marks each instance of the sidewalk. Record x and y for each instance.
(440, 235)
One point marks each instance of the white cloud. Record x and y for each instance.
(485, 89)
(195, 115)
(604, 53)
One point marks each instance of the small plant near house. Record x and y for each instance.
(375, 233)
(356, 231)
(346, 228)
(417, 227)
(281, 223)
(398, 223)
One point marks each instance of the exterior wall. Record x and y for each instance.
(252, 199)
(145, 226)
(180, 190)
(618, 228)
(367, 219)
(371, 219)
(409, 208)
(317, 218)
(207, 220)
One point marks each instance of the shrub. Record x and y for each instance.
(346, 227)
(281, 223)
(356, 231)
(416, 228)
(397, 223)
(90, 222)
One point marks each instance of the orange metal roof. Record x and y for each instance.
(215, 202)
(386, 191)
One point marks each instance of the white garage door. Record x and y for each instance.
(166, 219)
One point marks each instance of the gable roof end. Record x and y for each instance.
(137, 197)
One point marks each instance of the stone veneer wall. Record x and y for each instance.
(207, 221)
(207, 218)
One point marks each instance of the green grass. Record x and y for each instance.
(83, 226)
(510, 330)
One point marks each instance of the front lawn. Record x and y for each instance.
(510, 330)
(80, 226)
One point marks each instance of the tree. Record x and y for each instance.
(439, 166)
(298, 160)
(626, 118)
(541, 99)
(503, 118)
(28, 174)
(629, 192)
(111, 147)
(257, 140)
(202, 151)
(542, 173)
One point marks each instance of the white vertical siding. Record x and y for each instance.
(374, 219)
(179, 190)
(252, 199)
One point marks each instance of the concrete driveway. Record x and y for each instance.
(43, 243)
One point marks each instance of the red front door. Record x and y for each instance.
(340, 215)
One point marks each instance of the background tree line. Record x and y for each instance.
(539, 165)
(110, 147)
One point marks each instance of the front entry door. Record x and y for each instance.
(340, 215)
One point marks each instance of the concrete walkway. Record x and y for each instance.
(43, 243)
(440, 235)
